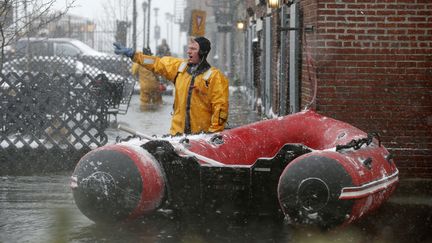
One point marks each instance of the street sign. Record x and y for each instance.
(198, 23)
(224, 28)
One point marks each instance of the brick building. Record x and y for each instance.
(370, 61)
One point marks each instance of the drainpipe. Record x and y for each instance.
(283, 56)
(294, 59)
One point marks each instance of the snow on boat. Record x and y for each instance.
(305, 167)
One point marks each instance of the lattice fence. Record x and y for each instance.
(53, 110)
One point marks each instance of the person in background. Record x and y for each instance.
(150, 95)
(163, 49)
(201, 91)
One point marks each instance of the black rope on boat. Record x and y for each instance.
(358, 143)
(217, 139)
(119, 139)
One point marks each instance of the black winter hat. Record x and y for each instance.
(204, 45)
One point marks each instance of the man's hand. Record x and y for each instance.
(121, 50)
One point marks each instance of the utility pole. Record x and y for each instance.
(167, 20)
(157, 28)
(134, 26)
(28, 35)
(144, 7)
(148, 24)
(16, 18)
(171, 30)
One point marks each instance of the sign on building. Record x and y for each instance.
(198, 23)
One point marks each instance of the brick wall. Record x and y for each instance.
(309, 17)
(372, 61)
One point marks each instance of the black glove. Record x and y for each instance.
(147, 51)
(121, 50)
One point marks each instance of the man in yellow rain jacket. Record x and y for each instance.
(150, 95)
(201, 91)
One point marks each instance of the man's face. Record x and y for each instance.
(192, 52)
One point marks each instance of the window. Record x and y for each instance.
(65, 49)
(36, 48)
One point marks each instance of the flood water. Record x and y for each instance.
(40, 208)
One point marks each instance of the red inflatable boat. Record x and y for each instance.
(305, 167)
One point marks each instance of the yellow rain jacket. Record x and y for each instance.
(149, 86)
(208, 109)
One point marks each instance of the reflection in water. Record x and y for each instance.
(41, 209)
(167, 229)
(30, 206)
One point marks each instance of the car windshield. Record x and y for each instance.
(86, 50)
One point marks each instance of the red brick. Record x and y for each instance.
(334, 30)
(375, 6)
(416, 32)
(417, 19)
(396, 19)
(419, 6)
(406, 38)
(423, 25)
(356, 6)
(396, 6)
(355, 31)
(386, 12)
(367, 37)
(356, 18)
(424, 38)
(346, 12)
(396, 32)
(386, 25)
(404, 1)
(406, 12)
(327, 12)
(424, 13)
(367, 25)
(366, 12)
(347, 25)
(376, 31)
(326, 24)
(336, 6)
(334, 43)
(347, 44)
(376, 19)
(335, 18)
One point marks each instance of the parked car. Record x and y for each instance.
(54, 47)
(55, 65)
(63, 67)
(67, 47)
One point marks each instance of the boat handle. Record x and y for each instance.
(368, 163)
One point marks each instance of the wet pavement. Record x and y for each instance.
(40, 208)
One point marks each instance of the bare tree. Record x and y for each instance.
(19, 18)
(115, 10)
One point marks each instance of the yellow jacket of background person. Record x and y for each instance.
(209, 97)
(149, 85)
